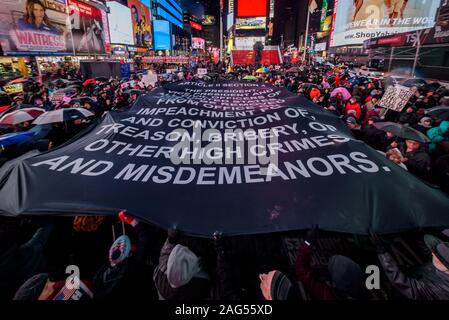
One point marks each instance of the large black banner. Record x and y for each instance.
(236, 157)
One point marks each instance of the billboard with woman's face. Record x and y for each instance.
(140, 16)
(34, 27)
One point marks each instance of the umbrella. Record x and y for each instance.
(415, 83)
(21, 115)
(62, 115)
(441, 112)
(59, 95)
(266, 70)
(261, 70)
(402, 131)
(309, 85)
(14, 138)
(81, 101)
(293, 69)
(89, 81)
(102, 79)
(250, 78)
(343, 91)
(18, 80)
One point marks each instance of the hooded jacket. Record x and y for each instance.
(438, 135)
(19, 263)
(430, 284)
(179, 276)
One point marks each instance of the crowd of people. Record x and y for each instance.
(123, 258)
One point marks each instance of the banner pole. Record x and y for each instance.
(307, 34)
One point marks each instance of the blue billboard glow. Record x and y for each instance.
(161, 29)
(176, 12)
(164, 14)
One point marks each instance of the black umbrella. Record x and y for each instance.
(81, 101)
(402, 131)
(415, 83)
(102, 79)
(432, 86)
(441, 112)
(309, 85)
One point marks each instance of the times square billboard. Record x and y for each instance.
(357, 21)
(52, 27)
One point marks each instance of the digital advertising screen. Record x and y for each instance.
(198, 43)
(251, 8)
(161, 35)
(32, 27)
(140, 17)
(208, 20)
(88, 29)
(251, 23)
(120, 25)
(357, 21)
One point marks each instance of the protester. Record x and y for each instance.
(438, 135)
(18, 262)
(126, 276)
(431, 282)
(180, 274)
(347, 277)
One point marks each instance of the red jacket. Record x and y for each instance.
(337, 80)
(317, 289)
(356, 107)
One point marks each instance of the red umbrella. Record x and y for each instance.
(34, 111)
(22, 115)
(89, 81)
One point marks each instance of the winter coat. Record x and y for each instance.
(431, 284)
(317, 289)
(438, 135)
(196, 289)
(418, 163)
(354, 106)
(19, 263)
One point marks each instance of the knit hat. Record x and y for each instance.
(182, 266)
(120, 250)
(347, 276)
(280, 286)
(351, 120)
(424, 119)
(439, 248)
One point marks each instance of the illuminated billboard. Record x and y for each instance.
(140, 17)
(208, 20)
(120, 25)
(89, 29)
(357, 21)
(47, 31)
(251, 8)
(251, 23)
(198, 43)
(161, 35)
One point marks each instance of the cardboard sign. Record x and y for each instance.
(396, 98)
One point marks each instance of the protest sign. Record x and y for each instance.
(238, 157)
(396, 98)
